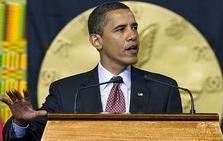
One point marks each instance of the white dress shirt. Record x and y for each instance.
(104, 76)
(18, 131)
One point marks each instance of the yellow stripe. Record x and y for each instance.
(7, 61)
(23, 61)
(13, 21)
(16, 85)
(17, 60)
(10, 60)
(22, 86)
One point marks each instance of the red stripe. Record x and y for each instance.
(6, 20)
(1, 127)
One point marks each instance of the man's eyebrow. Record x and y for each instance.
(134, 24)
(124, 25)
(120, 26)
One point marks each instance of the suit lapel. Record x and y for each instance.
(139, 92)
(90, 97)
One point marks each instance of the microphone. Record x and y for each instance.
(116, 79)
(192, 109)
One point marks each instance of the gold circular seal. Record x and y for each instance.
(170, 45)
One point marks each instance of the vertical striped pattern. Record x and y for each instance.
(13, 57)
(2, 21)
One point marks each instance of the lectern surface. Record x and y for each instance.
(132, 128)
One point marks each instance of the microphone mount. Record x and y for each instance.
(192, 109)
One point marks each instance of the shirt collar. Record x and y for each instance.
(105, 75)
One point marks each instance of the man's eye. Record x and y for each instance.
(120, 29)
(135, 27)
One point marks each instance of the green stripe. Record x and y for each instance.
(22, 21)
(3, 60)
(2, 86)
(2, 21)
(0, 62)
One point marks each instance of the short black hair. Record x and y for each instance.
(97, 18)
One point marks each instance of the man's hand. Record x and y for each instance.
(21, 108)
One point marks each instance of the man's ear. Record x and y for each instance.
(96, 41)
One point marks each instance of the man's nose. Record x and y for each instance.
(132, 34)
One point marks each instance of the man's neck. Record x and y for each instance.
(114, 69)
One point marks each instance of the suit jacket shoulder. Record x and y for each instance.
(62, 93)
(76, 80)
(152, 75)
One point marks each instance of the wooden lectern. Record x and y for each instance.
(132, 127)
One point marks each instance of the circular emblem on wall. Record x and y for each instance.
(169, 45)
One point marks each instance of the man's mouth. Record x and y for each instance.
(133, 49)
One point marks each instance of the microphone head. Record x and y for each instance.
(117, 79)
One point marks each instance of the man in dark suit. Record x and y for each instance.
(113, 32)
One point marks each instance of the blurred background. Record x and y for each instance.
(28, 27)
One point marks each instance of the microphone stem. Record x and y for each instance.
(192, 110)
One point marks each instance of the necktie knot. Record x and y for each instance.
(116, 79)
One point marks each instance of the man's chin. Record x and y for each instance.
(132, 61)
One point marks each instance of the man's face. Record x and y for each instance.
(119, 41)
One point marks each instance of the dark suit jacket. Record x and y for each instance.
(156, 98)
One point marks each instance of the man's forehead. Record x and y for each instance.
(119, 12)
(120, 15)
